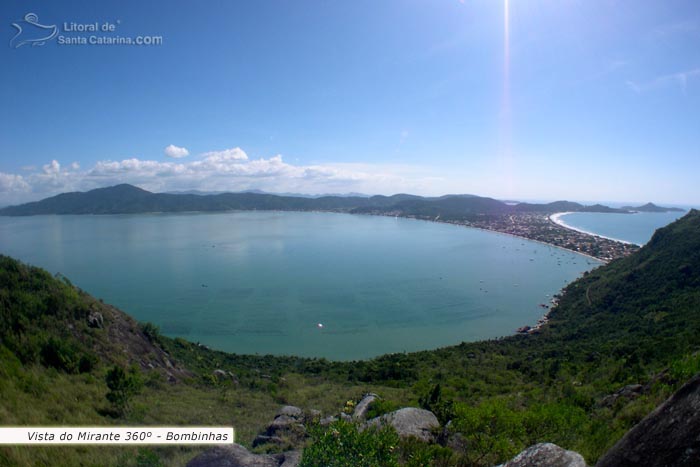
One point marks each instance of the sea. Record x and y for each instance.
(634, 228)
(338, 286)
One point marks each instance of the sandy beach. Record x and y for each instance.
(557, 219)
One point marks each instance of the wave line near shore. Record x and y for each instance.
(557, 219)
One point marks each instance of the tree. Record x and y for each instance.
(122, 387)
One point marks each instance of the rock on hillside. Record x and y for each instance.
(669, 436)
(410, 421)
(235, 455)
(38, 304)
(126, 338)
(286, 430)
(546, 455)
(362, 407)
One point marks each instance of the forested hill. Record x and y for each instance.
(128, 199)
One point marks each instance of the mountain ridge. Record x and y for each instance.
(129, 199)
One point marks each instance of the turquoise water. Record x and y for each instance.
(634, 228)
(261, 282)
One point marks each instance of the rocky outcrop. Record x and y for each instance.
(95, 320)
(290, 411)
(409, 421)
(631, 391)
(546, 455)
(362, 407)
(291, 459)
(121, 337)
(286, 430)
(670, 435)
(235, 455)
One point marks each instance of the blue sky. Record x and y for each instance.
(585, 100)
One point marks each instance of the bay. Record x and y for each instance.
(634, 228)
(337, 286)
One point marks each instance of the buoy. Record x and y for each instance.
(320, 325)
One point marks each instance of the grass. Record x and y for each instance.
(36, 395)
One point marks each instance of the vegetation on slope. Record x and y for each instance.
(128, 199)
(633, 321)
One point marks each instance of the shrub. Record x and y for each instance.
(60, 354)
(151, 331)
(493, 431)
(380, 407)
(435, 402)
(122, 387)
(341, 444)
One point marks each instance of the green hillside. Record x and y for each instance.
(635, 321)
(128, 199)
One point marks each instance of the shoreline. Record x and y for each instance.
(557, 219)
(552, 245)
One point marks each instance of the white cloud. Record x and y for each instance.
(53, 168)
(233, 154)
(176, 152)
(227, 170)
(12, 183)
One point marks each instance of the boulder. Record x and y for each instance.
(290, 411)
(95, 320)
(409, 421)
(328, 420)
(291, 459)
(235, 455)
(670, 435)
(362, 407)
(286, 430)
(546, 455)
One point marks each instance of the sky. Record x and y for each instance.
(584, 100)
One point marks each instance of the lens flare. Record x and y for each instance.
(506, 155)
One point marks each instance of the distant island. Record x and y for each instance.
(527, 220)
(651, 207)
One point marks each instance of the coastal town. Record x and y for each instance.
(540, 227)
